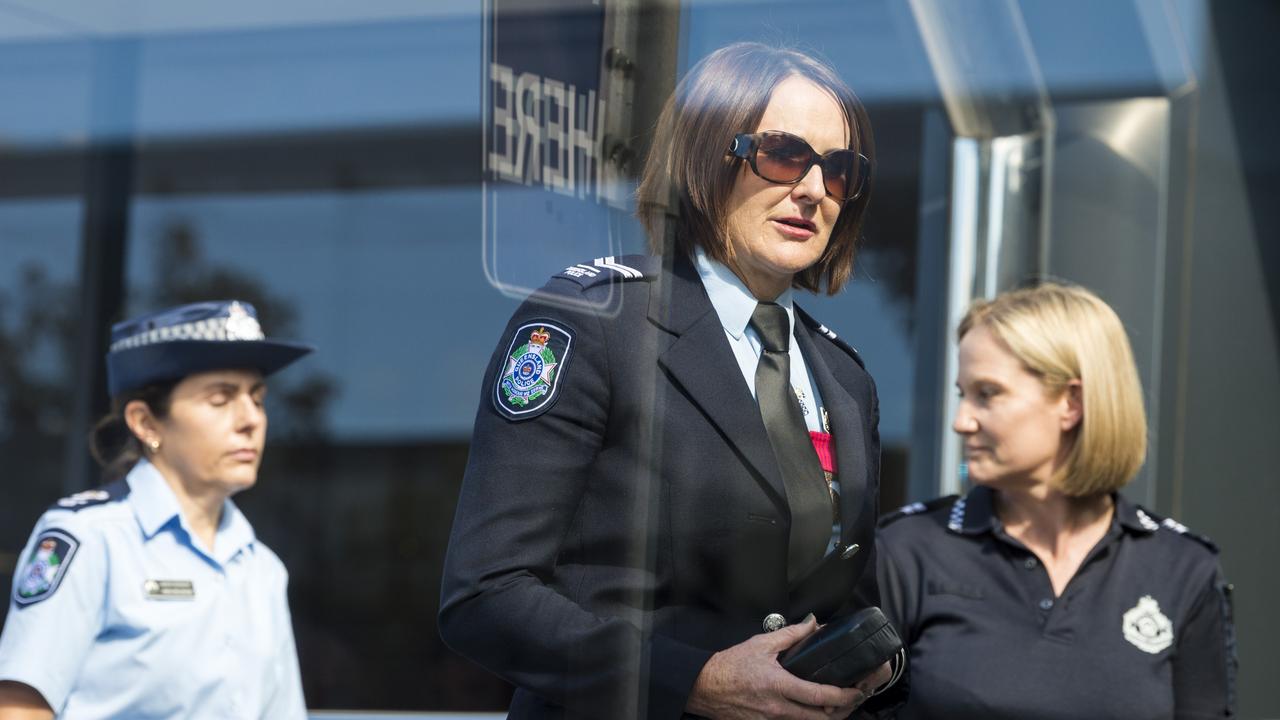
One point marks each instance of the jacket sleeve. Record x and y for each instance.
(867, 591)
(1204, 666)
(889, 701)
(870, 591)
(502, 602)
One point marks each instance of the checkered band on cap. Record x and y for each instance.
(173, 343)
(238, 325)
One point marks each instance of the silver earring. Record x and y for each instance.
(154, 444)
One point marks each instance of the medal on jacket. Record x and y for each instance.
(824, 446)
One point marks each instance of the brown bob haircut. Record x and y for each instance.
(689, 173)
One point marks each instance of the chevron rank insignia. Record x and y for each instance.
(612, 269)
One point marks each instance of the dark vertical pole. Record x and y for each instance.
(653, 52)
(657, 54)
(104, 230)
(931, 330)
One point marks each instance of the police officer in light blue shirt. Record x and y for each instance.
(151, 597)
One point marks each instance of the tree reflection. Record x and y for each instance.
(37, 337)
(184, 275)
(39, 324)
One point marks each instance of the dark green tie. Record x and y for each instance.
(807, 494)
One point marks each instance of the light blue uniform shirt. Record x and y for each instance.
(118, 610)
(734, 304)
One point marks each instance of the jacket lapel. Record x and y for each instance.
(845, 415)
(702, 364)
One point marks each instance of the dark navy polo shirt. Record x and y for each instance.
(1143, 630)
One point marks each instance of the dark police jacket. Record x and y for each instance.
(623, 518)
(1142, 631)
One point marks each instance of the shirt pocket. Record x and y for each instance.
(944, 587)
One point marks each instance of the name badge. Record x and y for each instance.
(169, 589)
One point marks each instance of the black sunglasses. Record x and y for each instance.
(783, 158)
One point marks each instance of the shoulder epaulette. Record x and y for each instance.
(1157, 522)
(613, 269)
(112, 492)
(917, 508)
(829, 334)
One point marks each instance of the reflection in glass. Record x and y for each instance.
(368, 435)
(39, 325)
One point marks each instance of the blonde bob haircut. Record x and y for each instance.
(1062, 333)
(689, 174)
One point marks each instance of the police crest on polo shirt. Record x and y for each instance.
(535, 361)
(44, 567)
(1146, 627)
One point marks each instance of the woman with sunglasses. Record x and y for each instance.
(1043, 592)
(670, 457)
(151, 597)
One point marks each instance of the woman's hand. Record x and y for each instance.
(746, 681)
(22, 702)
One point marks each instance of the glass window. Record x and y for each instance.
(354, 230)
(368, 436)
(39, 335)
(42, 132)
(335, 166)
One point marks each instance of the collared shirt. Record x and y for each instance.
(118, 610)
(734, 304)
(1142, 630)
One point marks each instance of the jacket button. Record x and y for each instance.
(774, 621)
(850, 551)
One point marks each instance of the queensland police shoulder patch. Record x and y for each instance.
(535, 361)
(45, 567)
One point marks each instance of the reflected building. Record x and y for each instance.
(353, 172)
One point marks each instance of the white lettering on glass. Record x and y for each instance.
(544, 132)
